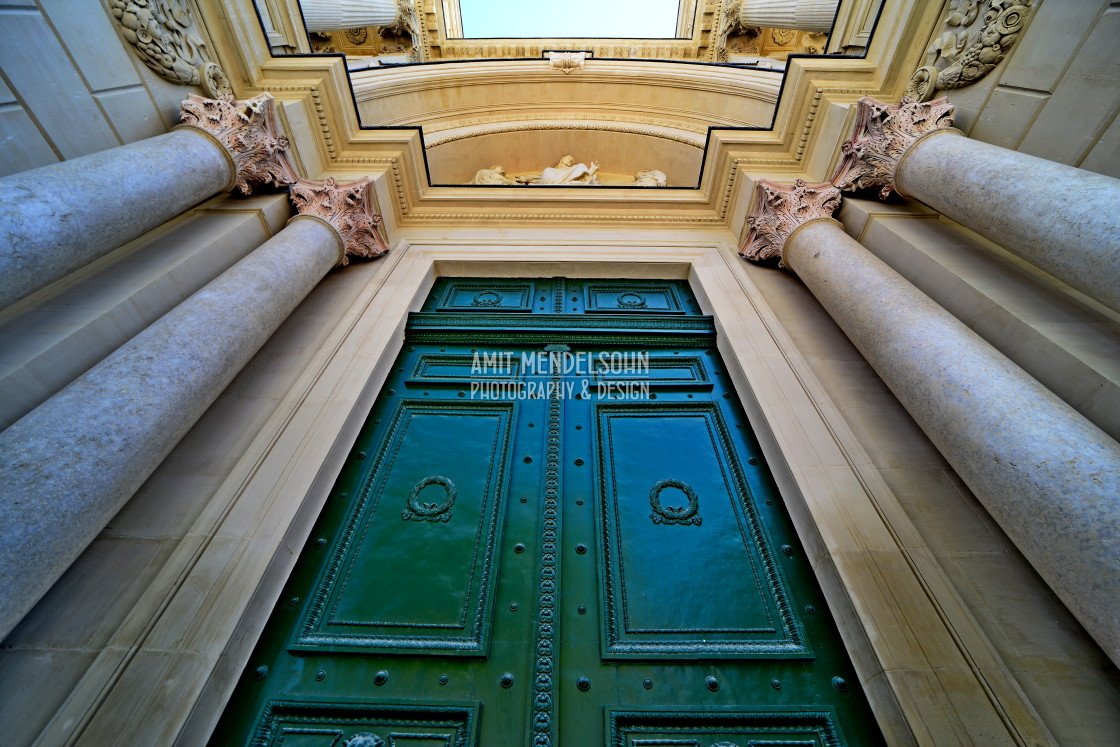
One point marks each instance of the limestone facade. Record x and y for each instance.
(956, 637)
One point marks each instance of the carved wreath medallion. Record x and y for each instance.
(487, 299)
(662, 514)
(418, 510)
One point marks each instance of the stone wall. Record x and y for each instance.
(1057, 94)
(71, 86)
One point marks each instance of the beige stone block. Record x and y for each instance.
(132, 113)
(171, 500)
(53, 91)
(149, 707)
(18, 387)
(83, 609)
(846, 520)
(947, 520)
(1052, 40)
(276, 209)
(1090, 87)
(1031, 628)
(883, 587)
(22, 145)
(1008, 116)
(1104, 157)
(892, 438)
(25, 705)
(1077, 708)
(940, 701)
(91, 40)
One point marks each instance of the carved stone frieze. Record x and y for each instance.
(780, 209)
(347, 207)
(953, 60)
(249, 131)
(881, 135)
(164, 36)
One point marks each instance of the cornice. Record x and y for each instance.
(733, 158)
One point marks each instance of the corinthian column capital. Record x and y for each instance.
(881, 136)
(779, 210)
(347, 208)
(249, 133)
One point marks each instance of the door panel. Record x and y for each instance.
(523, 552)
(687, 569)
(439, 480)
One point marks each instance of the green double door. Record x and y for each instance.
(555, 528)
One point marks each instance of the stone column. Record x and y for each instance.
(73, 462)
(59, 218)
(806, 15)
(1045, 473)
(330, 15)
(1061, 219)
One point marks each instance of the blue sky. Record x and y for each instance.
(628, 19)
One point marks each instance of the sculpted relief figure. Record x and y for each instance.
(493, 175)
(570, 172)
(650, 178)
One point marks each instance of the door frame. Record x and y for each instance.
(930, 674)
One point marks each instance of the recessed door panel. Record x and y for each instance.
(687, 568)
(412, 568)
(722, 728)
(296, 723)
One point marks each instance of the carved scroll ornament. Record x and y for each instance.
(780, 209)
(249, 132)
(882, 133)
(954, 61)
(162, 33)
(347, 207)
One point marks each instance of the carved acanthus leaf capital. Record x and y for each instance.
(882, 134)
(249, 132)
(779, 210)
(347, 207)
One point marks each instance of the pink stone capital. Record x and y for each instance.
(882, 134)
(249, 132)
(779, 210)
(347, 207)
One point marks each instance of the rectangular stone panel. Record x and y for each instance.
(686, 567)
(438, 483)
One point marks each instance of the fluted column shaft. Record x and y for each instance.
(1045, 473)
(61, 217)
(73, 462)
(330, 15)
(1062, 219)
(806, 15)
